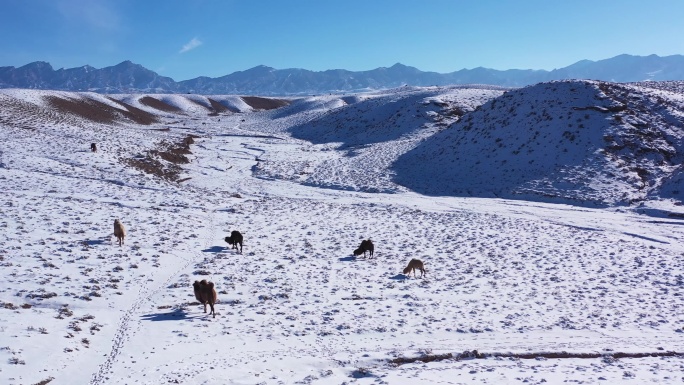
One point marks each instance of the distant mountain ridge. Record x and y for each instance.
(128, 77)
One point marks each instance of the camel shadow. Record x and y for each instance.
(214, 249)
(174, 315)
(93, 242)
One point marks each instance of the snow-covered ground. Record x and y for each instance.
(521, 282)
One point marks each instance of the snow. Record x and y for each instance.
(305, 183)
(580, 142)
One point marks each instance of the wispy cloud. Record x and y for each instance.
(192, 44)
(102, 15)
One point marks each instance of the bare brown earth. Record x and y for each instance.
(158, 104)
(214, 107)
(264, 103)
(218, 107)
(91, 110)
(99, 112)
(136, 114)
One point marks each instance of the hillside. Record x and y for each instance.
(578, 142)
(585, 143)
(516, 291)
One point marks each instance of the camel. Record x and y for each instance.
(234, 239)
(205, 294)
(413, 265)
(119, 231)
(366, 245)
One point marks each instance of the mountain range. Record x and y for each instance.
(128, 77)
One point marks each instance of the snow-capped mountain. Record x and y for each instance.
(123, 77)
(127, 77)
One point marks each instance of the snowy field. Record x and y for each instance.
(545, 293)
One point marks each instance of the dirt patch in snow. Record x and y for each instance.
(264, 103)
(165, 160)
(218, 107)
(99, 112)
(158, 104)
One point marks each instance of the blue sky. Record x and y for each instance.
(184, 39)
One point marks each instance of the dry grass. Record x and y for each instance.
(45, 381)
(164, 162)
(530, 356)
(427, 358)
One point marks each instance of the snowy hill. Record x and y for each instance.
(581, 142)
(515, 290)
